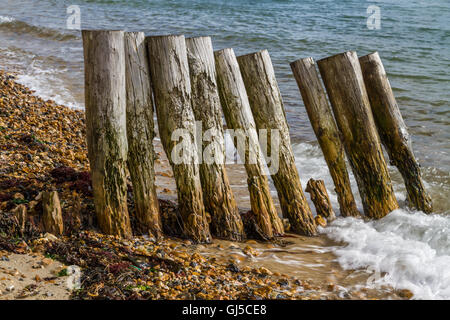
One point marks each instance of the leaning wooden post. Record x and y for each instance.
(239, 117)
(140, 133)
(393, 131)
(218, 197)
(104, 67)
(343, 80)
(322, 121)
(172, 90)
(268, 111)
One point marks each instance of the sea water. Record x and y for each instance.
(408, 249)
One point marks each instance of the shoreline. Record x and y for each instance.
(38, 136)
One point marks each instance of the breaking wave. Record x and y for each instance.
(9, 24)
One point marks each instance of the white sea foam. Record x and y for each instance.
(412, 248)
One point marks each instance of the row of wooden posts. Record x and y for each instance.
(127, 75)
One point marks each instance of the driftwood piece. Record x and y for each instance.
(326, 131)
(51, 213)
(320, 198)
(218, 197)
(172, 91)
(140, 134)
(268, 112)
(239, 117)
(104, 60)
(345, 87)
(393, 131)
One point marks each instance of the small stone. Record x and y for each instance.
(320, 221)
(286, 224)
(10, 288)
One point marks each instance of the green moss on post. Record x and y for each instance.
(322, 121)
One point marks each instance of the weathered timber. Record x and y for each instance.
(268, 112)
(239, 117)
(344, 83)
(105, 97)
(218, 197)
(320, 198)
(51, 213)
(172, 91)
(20, 212)
(393, 131)
(326, 131)
(140, 134)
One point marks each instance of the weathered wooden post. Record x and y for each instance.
(343, 80)
(51, 213)
(320, 198)
(239, 117)
(393, 131)
(172, 91)
(218, 197)
(268, 112)
(104, 61)
(140, 133)
(322, 121)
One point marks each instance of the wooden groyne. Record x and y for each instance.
(128, 75)
(393, 132)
